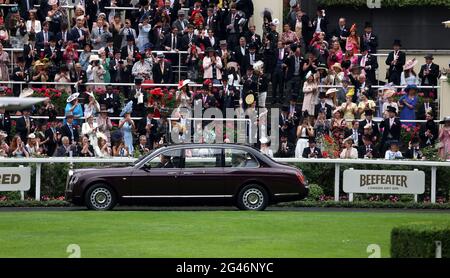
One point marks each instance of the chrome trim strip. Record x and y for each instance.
(180, 196)
(286, 194)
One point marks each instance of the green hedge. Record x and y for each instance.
(386, 3)
(34, 203)
(365, 204)
(419, 241)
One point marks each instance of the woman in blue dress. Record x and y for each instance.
(127, 127)
(408, 104)
(143, 38)
(73, 107)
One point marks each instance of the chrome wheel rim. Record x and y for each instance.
(253, 198)
(101, 198)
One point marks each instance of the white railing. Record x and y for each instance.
(337, 164)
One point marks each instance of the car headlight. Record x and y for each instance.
(74, 179)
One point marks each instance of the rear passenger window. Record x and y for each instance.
(239, 159)
(203, 158)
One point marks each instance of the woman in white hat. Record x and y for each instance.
(89, 129)
(74, 108)
(310, 90)
(388, 97)
(264, 148)
(102, 149)
(32, 146)
(92, 107)
(95, 71)
(409, 76)
(444, 139)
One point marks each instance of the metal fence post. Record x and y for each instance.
(38, 182)
(433, 184)
(179, 66)
(337, 169)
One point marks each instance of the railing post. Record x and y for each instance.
(337, 169)
(38, 182)
(179, 66)
(433, 184)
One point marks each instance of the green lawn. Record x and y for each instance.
(202, 233)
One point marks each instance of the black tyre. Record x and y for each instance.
(252, 197)
(100, 197)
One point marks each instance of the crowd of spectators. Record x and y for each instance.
(320, 73)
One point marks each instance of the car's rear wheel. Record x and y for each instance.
(252, 197)
(100, 197)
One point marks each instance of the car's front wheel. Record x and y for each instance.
(100, 197)
(252, 197)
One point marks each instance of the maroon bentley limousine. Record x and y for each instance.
(236, 174)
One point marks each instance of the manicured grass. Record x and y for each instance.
(202, 233)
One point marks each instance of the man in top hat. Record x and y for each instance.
(369, 41)
(367, 149)
(320, 21)
(162, 70)
(181, 23)
(368, 121)
(52, 136)
(249, 80)
(312, 151)
(392, 128)
(429, 131)
(25, 124)
(429, 74)
(129, 51)
(369, 64)
(323, 106)
(252, 56)
(5, 120)
(69, 129)
(229, 94)
(139, 98)
(148, 127)
(413, 151)
(252, 37)
(20, 73)
(110, 101)
(395, 60)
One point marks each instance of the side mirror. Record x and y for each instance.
(146, 167)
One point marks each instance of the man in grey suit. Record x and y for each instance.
(181, 23)
(125, 31)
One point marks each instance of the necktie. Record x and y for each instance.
(174, 43)
(100, 30)
(281, 55)
(45, 37)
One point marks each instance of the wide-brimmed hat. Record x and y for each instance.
(3, 133)
(31, 136)
(322, 67)
(210, 49)
(337, 65)
(338, 110)
(38, 63)
(52, 2)
(275, 22)
(389, 93)
(26, 92)
(411, 87)
(258, 65)
(392, 109)
(223, 42)
(93, 58)
(183, 83)
(91, 94)
(101, 135)
(309, 74)
(388, 86)
(331, 91)
(264, 140)
(446, 119)
(250, 98)
(410, 64)
(397, 42)
(73, 97)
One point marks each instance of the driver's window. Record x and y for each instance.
(167, 159)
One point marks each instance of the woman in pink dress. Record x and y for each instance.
(353, 41)
(444, 139)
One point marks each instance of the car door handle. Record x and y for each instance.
(173, 173)
(188, 173)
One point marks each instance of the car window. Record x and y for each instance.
(203, 158)
(240, 159)
(166, 159)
